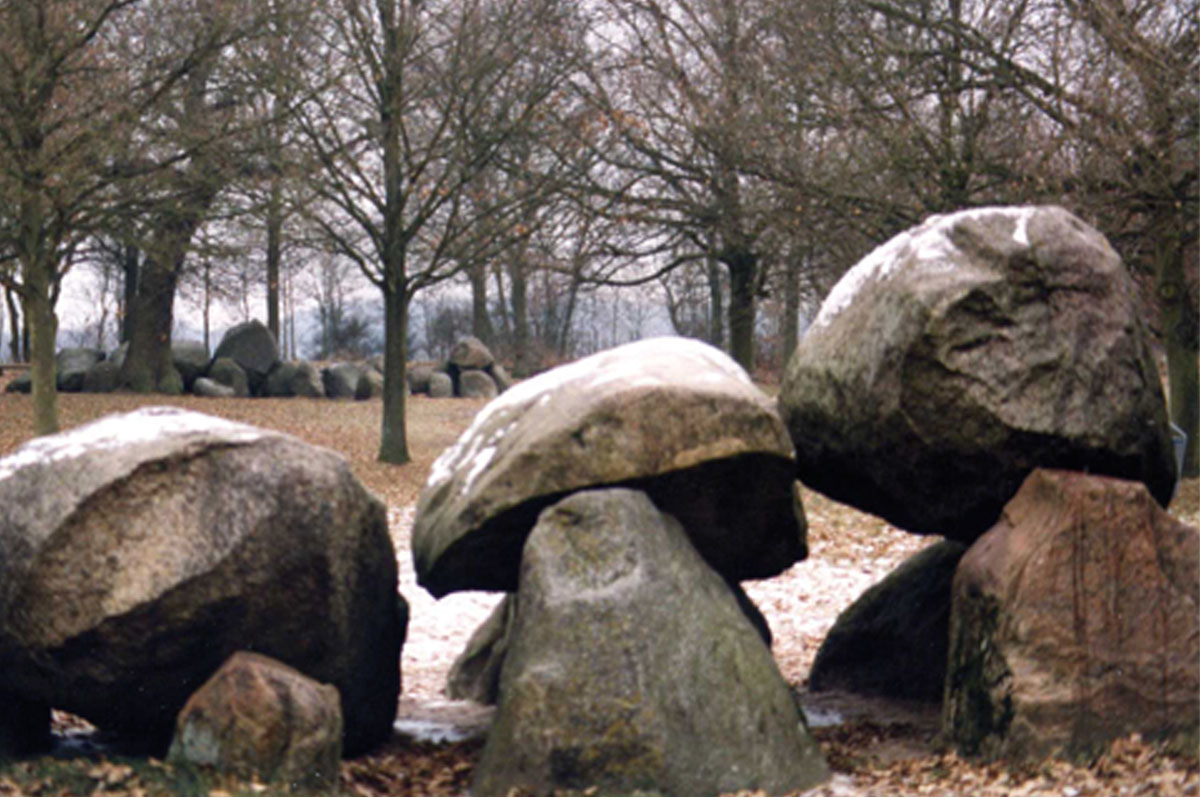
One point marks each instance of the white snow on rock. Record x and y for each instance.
(116, 431)
(638, 364)
(927, 246)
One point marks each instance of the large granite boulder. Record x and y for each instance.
(21, 383)
(140, 551)
(341, 379)
(307, 382)
(476, 384)
(418, 376)
(290, 379)
(1075, 621)
(190, 358)
(440, 385)
(892, 640)
(475, 672)
(279, 381)
(252, 346)
(631, 667)
(370, 384)
(670, 416)
(962, 354)
(226, 372)
(257, 718)
(470, 353)
(71, 366)
(101, 378)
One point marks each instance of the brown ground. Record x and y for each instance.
(875, 747)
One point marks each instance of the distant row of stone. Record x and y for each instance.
(247, 363)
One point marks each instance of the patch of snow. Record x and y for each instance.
(433, 731)
(926, 246)
(478, 463)
(822, 717)
(116, 431)
(637, 364)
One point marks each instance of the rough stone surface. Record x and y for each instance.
(191, 359)
(1076, 620)
(500, 376)
(966, 352)
(632, 667)
(252, 346)
(307, 381)
(21, 383)
(671, 416)
(71, 366)
(101, 378)
(142, 550)
(892, 640)
(471, 353)
(475, 674)
(170, 382)
(210, 388)
(476, 384)
(228, 373)
(418, 376)
(279, 381)
(441, 385)
(341, 380)
(257, 718)
(370, 384)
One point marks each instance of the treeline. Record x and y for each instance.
(734, 155)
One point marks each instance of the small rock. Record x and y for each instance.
(257, 718)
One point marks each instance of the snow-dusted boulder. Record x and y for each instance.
(140, 551)
(965, 352)
(673, 417)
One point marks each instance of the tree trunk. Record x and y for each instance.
(206, 311)
(1179, 325)
(502, 305)
(149, 355)
(519, 296)
(393, 447)
(43, 329)
(742, 267)
(791, 313)
(131, 269)
(481, 321)
(716, 319)
(14, 325)
(274, 257)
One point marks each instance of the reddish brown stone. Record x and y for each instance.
(1075, 621)
(257, 717)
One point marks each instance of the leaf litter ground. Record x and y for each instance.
(875, 747)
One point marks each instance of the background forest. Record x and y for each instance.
(555, 176)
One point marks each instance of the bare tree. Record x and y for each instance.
(425, 98)
(61, 100)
